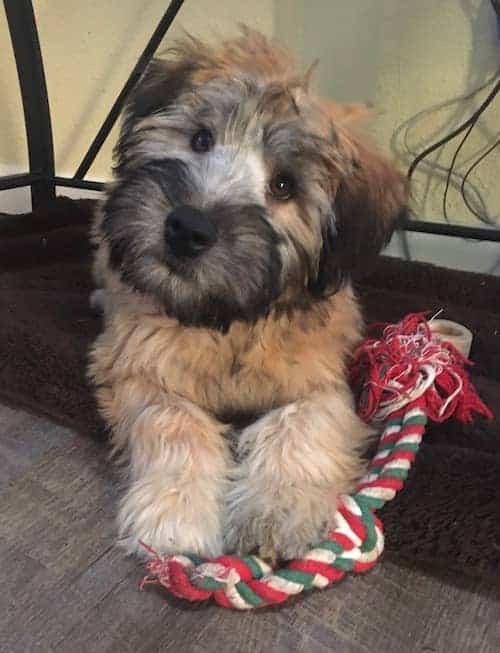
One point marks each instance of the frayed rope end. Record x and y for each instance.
(410, 364)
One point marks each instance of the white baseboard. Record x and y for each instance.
(456, 253)
(18, 200)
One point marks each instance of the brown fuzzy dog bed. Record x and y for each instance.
(445, 521)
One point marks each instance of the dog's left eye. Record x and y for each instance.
(282, 186)
(202, 141)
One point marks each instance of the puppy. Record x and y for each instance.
(240, 205)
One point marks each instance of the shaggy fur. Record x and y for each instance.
(259, 323)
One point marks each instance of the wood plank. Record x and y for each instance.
(23, 440)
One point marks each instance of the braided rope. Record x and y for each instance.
(407, 376)
(354, 545)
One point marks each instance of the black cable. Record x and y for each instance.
(469, 171)
(434, 166)
(408, 124)
(452, 165)
(471, 121)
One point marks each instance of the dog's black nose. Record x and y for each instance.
(189, 232)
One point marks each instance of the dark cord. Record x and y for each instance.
(438, 169)
(452, 165)
(468, 123)
(469, 171)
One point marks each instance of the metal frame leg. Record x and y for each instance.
(26, 46)
(144, 59)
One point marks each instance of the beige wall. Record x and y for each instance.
(406, 56)
(401, 55)
(89, 48)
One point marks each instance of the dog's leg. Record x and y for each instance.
(178, 467)
(295, 461)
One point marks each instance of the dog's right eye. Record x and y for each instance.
(282, 186)
(202, 141)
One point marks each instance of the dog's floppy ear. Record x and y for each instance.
(160, 84)
(165, 78)
(370, 199)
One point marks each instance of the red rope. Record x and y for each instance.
(404, 376)
(407, 357)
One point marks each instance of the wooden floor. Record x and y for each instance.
(65, 587)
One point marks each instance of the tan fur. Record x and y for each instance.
(165, 389)
(261, 58)
(152, 378)
(253, 367)
(296, 461)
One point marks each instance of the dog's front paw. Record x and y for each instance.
(170, 519)
(281, 525)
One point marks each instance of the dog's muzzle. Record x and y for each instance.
(189, 232)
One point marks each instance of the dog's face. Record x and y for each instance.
(237, 191)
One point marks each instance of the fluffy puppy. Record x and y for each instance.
(240, 206)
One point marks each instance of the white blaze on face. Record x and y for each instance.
(231, 173)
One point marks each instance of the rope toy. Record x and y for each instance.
(403, 378)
